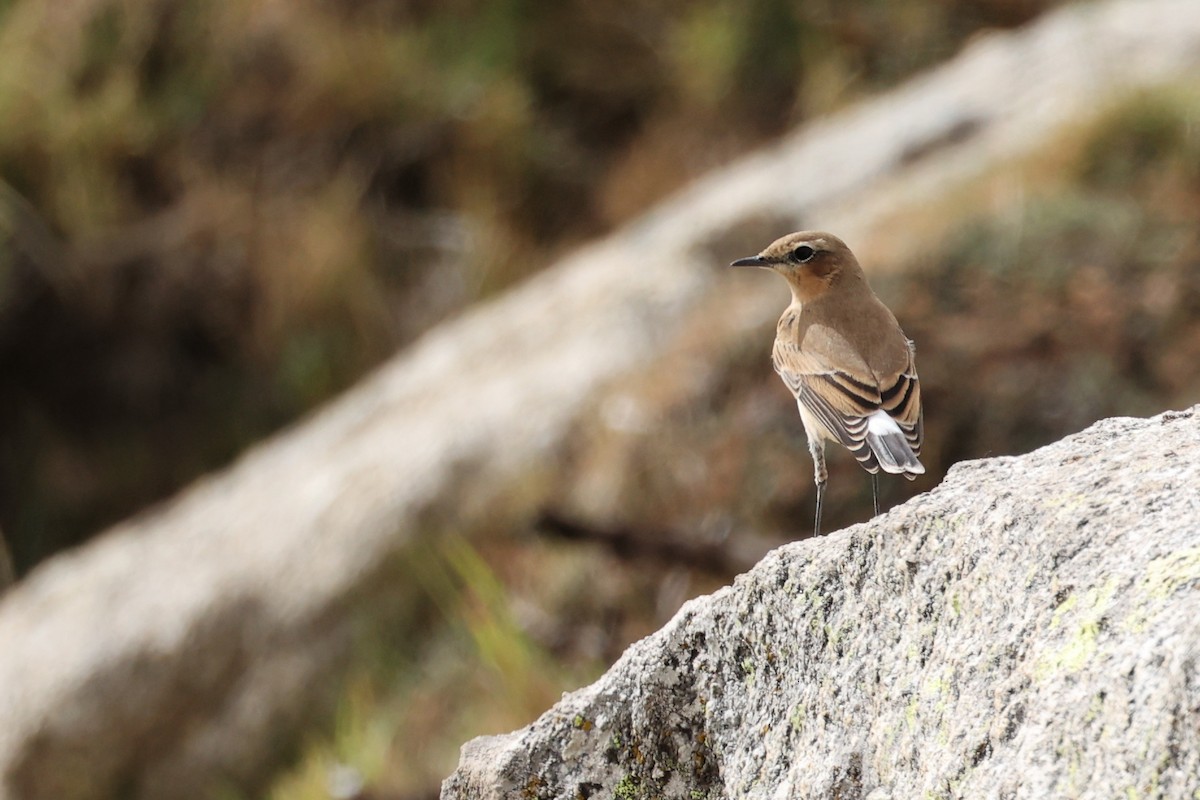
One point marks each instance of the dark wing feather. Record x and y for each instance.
(841, 402)
(902, 402)
(841, 411)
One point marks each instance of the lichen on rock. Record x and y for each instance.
(1026, 629)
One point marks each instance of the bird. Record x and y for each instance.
(842, 353)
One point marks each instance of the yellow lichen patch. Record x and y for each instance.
(1080, 616)
(1163, 577)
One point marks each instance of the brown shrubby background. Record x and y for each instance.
(215, 216)
(220, 214)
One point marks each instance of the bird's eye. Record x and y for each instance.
(803, 253)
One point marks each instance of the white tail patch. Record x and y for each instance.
(880, 424)
(890, 447)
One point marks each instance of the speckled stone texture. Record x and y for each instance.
(1029, 629)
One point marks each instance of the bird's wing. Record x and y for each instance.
(839, 399)
(901, 399)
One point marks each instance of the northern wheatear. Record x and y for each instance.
(843, 355)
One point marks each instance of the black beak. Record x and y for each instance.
(752, 261)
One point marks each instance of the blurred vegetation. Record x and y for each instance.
(213, 216)
(474, 661)
(7, 573)
(1080, 303)
(513, 622)
(1060, 291)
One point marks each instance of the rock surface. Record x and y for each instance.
(1029, 629)
(171, 655)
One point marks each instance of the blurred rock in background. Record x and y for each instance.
(213, 217)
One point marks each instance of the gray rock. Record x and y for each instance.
(1029, 629)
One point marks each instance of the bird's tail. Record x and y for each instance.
(890, 446)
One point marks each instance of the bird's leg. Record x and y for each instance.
(816, 446)
(875, 491)
(820, 497)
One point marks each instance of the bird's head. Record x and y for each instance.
(811, 261)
